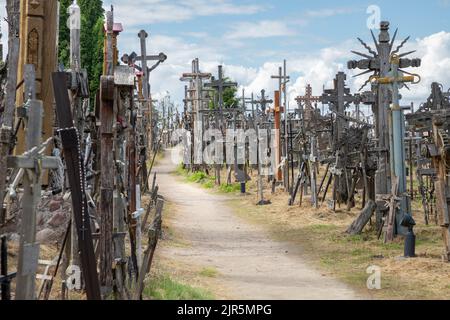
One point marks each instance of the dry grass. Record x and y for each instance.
(197, 280)
(320, 233)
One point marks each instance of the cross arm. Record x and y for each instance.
(160, 57)
(31, 162)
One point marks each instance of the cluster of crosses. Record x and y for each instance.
(350, 151)
(58, 138)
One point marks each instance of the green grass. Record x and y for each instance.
(209, 272)
(206, 181)
(165, 288)
(231, 188)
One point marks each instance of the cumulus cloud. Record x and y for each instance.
(434, 51)
(315, 68)
(260, 29)
(160, 11)
(325, 13)
(4, 27)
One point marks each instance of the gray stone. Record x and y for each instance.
(57, 220)
(54, 205)
(45, 235)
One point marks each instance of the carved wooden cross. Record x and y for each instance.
(33, 165)
(305, 103)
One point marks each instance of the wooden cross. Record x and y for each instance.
(220, 85)
(33, 164)
(305, 103)
(196, 78)
(277, 111)
(283, 80)
(107, 121)
(144, 58)
(38, 25)
(77, 179)
(339, 99)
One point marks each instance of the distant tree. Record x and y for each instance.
(230, 99)
(92, 22)
(64, 33)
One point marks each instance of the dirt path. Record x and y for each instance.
(249, 263)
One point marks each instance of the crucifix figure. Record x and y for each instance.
(144, 58)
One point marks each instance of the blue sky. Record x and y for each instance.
(309, 25)
(252, 37)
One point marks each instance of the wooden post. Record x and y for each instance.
(153, 235)
(76, 176)
(38, 22)
(7, 118)
(277, 145)
(106, 181)
(33, 165)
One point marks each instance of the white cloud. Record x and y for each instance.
(4, 27)
(316, 68)
(434, 51)
(158, 11)
(325, 13)
(261, 29)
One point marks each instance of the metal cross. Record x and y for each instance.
(220, 85)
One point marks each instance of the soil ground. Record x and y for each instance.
(240, 259)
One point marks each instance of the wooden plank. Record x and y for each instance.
(153, 235)
(107, 121)
(30, 163)
(7, 117)
(77, 181)
(27, 267)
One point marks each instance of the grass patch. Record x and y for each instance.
(206, 181)
(323, 240)
(231, 188)
(163, 287)
(209, 272)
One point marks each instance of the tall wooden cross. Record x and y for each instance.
(107, 121)
(305, 103)
(277, 111)
(144, 58)
(283, 80)
(339, 98)
(196, 78)
(38, 24)
(33, 164)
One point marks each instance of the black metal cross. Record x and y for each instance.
(220, 85)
